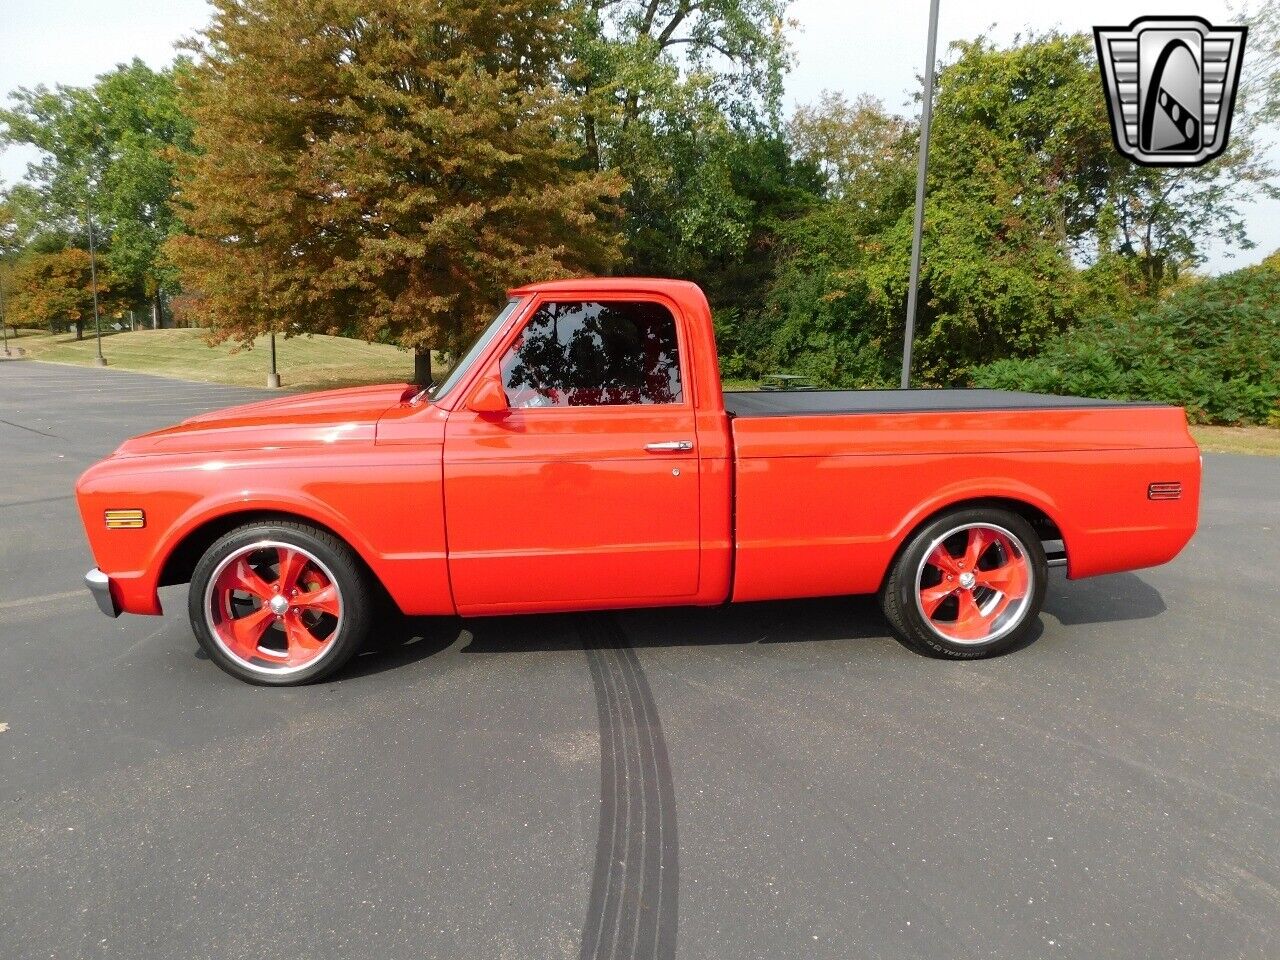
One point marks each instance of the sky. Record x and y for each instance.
(852, 46)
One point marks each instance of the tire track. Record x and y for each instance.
(632, 912)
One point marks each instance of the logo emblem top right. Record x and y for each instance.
(1171, 86)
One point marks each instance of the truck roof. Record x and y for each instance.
(609, 285)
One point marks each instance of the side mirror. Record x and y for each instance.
(489, 396)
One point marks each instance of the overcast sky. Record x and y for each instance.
(846, 45)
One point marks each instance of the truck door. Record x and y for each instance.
(585, 491)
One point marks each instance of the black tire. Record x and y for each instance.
(899, 598)
(358, 599)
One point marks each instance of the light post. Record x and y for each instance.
(926, 118)
(99, 360)
(273, 378)
(4, 330)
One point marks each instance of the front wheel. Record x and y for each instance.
(969, 584)
(279, 603)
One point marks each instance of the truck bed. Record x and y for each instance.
(827, 483)
(797, 403)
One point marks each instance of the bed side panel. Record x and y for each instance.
(824, 502)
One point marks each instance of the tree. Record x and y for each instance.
(1258, 100)
(106, 153)
(61, 124)
(644, 65)
(46, 289)
(1035, 111)
(9, 249)
(381, 168)
(1033, 222)
(682, 98)
(146, 130)
(851, 143)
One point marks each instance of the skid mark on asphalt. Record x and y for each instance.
(632, 912)
(19, 426)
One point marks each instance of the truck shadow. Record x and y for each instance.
(1111, 599)
(403, 640)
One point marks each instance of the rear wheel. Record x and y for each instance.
(969, 584)
(280, 603)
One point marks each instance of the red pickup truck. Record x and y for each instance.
(581, 455)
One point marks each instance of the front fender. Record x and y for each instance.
(387, 506)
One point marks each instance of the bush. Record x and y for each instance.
(1213, 347)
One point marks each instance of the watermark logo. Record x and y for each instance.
(1171, 86)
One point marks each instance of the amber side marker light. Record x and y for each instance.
(125, 519)
(1164, 491)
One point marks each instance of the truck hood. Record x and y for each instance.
(331, 416)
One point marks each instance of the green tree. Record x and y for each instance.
(106, 154)
(1033, 221)
(644, 66)
(682, 98)
(381, 168)
(714, 216)
(855, 145)
(146, 130)
(1035, 111)
(1259, 94)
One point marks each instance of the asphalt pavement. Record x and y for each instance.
(767, 781)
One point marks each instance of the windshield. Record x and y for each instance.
(468, 357)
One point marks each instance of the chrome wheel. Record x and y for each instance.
(974, 584)
(273, 607)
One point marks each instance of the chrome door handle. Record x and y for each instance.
(669, 446)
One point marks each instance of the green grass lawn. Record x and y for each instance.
(310, 363)
(1260, 441)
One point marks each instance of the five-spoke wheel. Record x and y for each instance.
(974, 583)
(279, 602)
(968, 584)
(273, 605)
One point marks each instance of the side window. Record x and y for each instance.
(584, 353)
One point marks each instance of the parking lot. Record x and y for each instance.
(767, 781)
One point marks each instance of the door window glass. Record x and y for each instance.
(588, 353)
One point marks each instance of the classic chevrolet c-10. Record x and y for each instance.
(582, 455)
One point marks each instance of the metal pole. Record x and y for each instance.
(273, 378)
(926, 118)
(4, 330)
(99, 360)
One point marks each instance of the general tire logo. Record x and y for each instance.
(1171, 86)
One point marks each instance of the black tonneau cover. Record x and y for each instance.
(794, 403)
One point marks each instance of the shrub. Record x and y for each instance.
(1213, 347)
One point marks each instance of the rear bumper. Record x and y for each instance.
(99, 585)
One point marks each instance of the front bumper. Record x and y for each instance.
(99, 585)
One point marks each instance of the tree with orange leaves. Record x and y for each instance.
(48, 289)
(382, 168)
